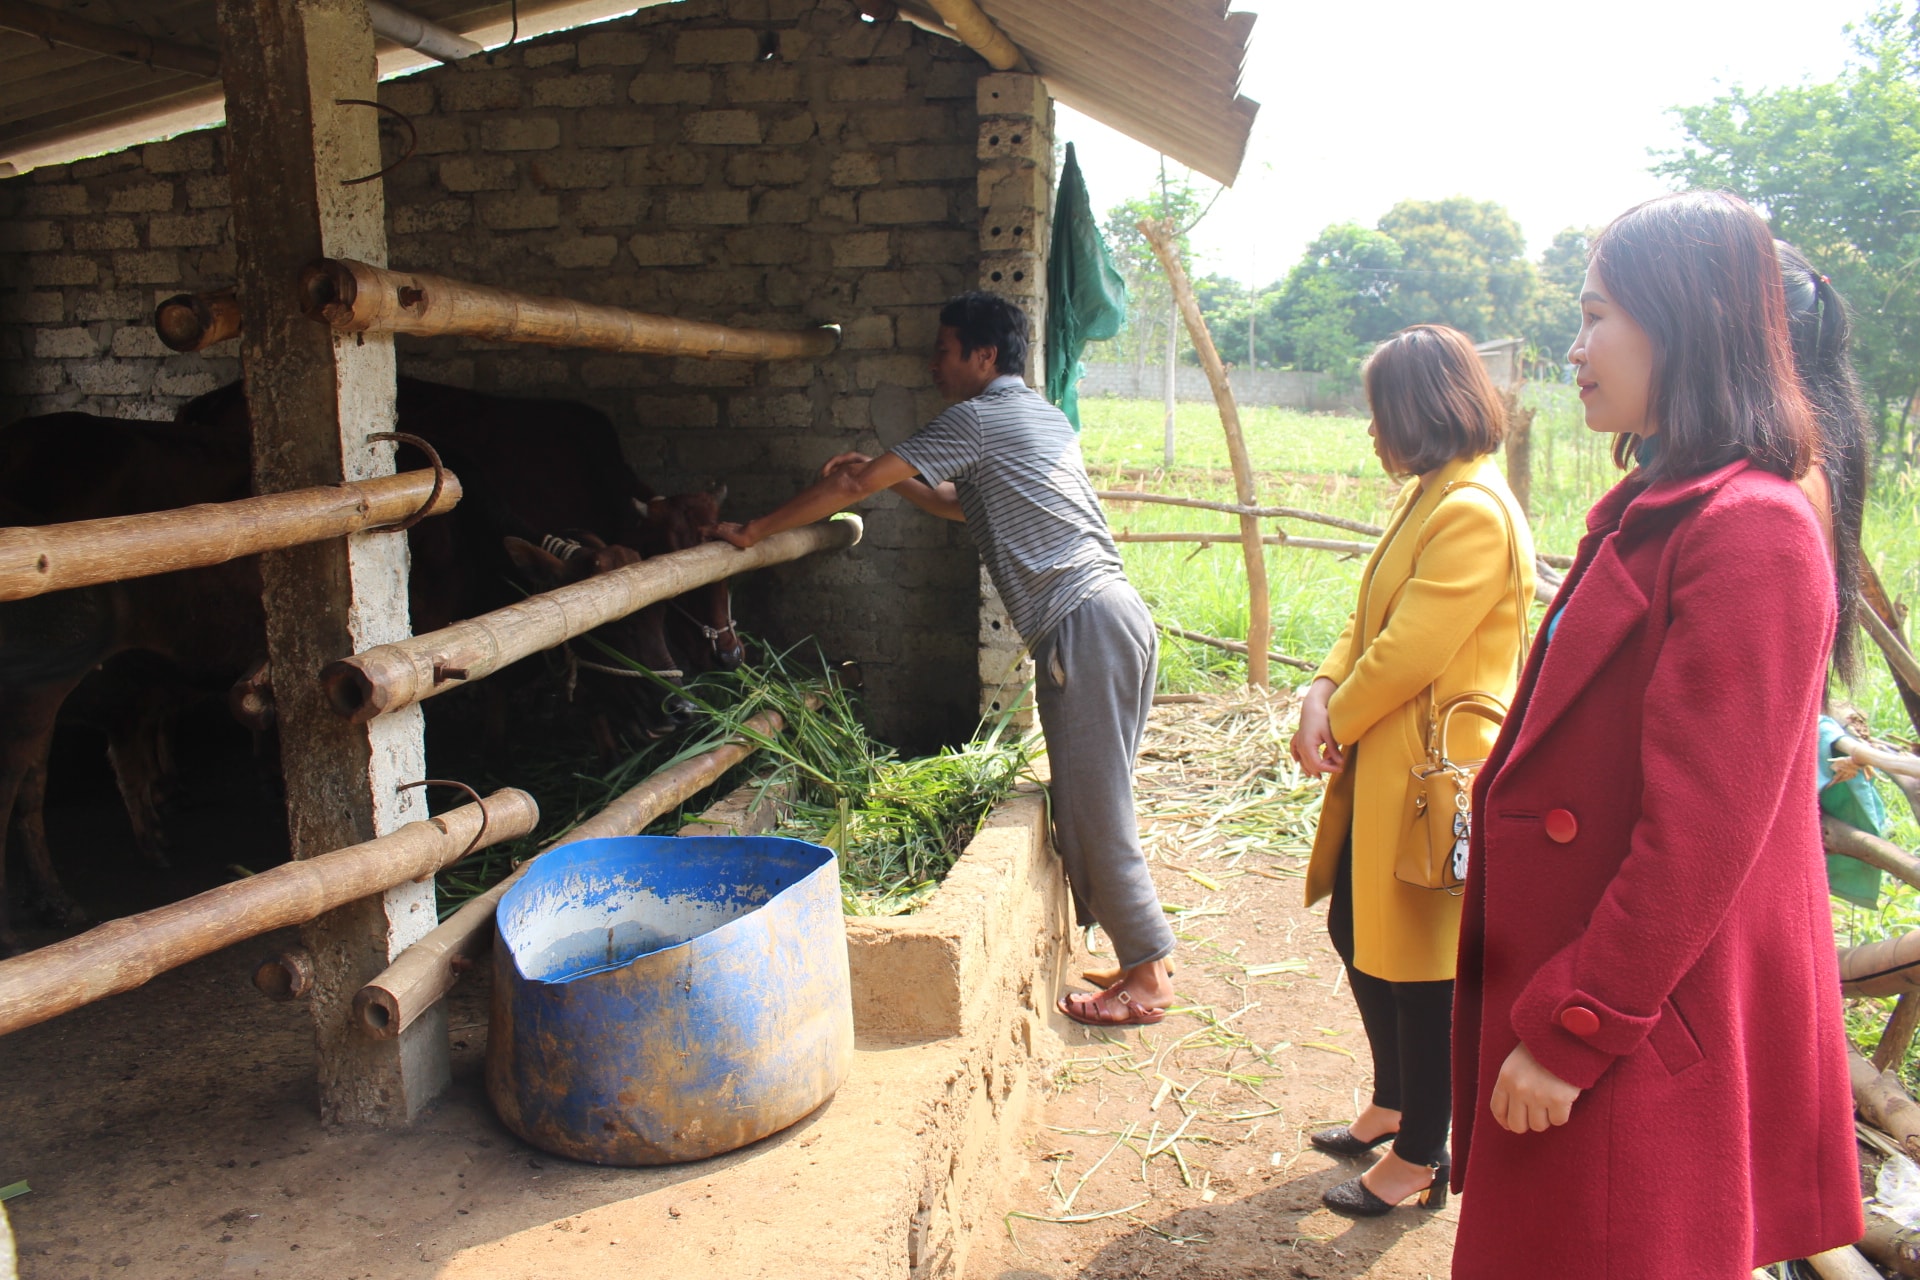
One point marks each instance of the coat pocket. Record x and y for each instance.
(1672, 1040)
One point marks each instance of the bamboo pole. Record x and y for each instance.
(1893, 1246)
(126, 953)
(1259, 607)
(1888, 967)
(1236, 509)
(978, 32)
(1233, 646)
(36, 559)
(189, 322)
(389, 676)
(353, 297)
(427, 970)
(1883, 1102)
(1844, 1263)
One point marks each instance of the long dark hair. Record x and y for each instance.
(1818, 323)
(1431, 398)
(1697, 272)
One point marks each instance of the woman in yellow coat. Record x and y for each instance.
(1441, 612)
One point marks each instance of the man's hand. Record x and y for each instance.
(729, 531)
(842, 461)
(1528, 1097)
(1313, 747)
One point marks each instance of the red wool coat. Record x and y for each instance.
(1647, 908)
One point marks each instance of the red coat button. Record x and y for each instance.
(1580, 1020)
(1562, 826)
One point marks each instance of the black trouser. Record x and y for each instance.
(1409, 1026)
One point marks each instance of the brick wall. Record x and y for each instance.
(772, 163)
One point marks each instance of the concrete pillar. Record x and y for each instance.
(293, 147)
(1016, 204)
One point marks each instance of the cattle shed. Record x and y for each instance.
(758, 164)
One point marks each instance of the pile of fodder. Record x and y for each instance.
(896, 825)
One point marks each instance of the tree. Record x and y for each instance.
(1464, 264)
(1554, 311)
(1151, 302)
(1835, 168)
(1337, 301)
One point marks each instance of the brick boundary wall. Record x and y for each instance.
(1283, 388)
(775, 163)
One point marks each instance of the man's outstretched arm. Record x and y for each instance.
(838, 488)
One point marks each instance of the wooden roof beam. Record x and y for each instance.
(113, 42)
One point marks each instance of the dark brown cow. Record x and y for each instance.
(528, 468)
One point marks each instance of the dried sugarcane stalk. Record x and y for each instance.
(428, 969)
(1851, 841)
(189, 322)
(1259, 604)
(1884, 1102)
(36, 559)
(395, 675)
(126, 953)
(353, 297)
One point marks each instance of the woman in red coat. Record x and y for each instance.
(1650, 1077)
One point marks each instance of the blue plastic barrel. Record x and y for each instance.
(660, 998)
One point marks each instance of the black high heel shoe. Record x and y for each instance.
(1352, 1199)
(1340, 1141)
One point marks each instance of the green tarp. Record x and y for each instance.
(1857, 804)
(1086, 296)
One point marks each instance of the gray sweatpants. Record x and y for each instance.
(1094, 689)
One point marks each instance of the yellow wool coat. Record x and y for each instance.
(1437, 608)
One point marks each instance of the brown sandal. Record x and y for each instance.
(1090, 1009)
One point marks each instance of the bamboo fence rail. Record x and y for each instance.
(126, 953)
(354, 297)
(36, 559)
(390, 676)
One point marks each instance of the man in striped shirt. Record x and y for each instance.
(1007, 463)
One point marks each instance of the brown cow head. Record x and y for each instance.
(703, 617)
(640, 636)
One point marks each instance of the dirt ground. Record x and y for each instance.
(1269, 1048)
(172, 1133)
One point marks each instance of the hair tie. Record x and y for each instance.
(1824, 280)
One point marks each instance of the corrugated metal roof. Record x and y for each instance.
(1166, 72)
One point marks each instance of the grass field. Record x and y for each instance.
(1326, 463)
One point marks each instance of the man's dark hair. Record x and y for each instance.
(989, 320)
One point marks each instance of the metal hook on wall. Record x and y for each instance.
(413, 138)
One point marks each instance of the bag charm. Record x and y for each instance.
(1434, 856)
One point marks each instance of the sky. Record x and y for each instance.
(1549, 110)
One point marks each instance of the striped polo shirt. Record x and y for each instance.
(1015, 462)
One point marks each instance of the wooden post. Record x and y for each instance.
(1259, 619)
(1891, 1053)
(1519, 448)
(293, 146)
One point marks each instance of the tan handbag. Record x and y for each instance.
(1433, 854)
